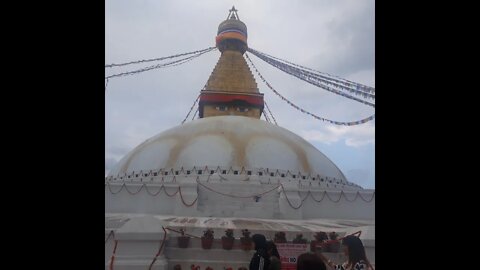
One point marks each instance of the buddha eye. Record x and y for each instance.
(242, 109)
(221, 108)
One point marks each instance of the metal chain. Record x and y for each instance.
(363, 199)
(183, 201)
(315, 200)
(238, 196)
(154, 194)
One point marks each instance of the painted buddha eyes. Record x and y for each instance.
(221, 108)
(225, 108)
(242, 109)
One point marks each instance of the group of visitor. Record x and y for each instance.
(266, 256)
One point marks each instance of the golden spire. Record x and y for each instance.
(231, 88)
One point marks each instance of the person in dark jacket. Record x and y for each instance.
(274, 256)
(310, 261)
(260, 260)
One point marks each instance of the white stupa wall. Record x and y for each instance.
(342, 209)
(208, 199)
(124, 202)
(137, 244)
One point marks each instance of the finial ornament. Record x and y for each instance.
(232, 14)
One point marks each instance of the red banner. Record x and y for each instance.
(289, 254)
(256, 99)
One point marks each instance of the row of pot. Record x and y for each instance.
(321, 240)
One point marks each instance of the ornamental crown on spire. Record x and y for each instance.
(233, 15)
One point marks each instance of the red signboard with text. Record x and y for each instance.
(289, 254)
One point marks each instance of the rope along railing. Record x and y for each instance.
(162, 245)
(362, 121)
(344, 82)
(183, 201)
(183, 233)
(109, 235)
(358, 234)
(259, 195)
(301, 75)
(157, 59)
(169, 64)
(178, 191)
(238, 196)
(325, 194)
(112, 259)
(290, 203)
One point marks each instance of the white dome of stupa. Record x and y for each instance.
(230, 142)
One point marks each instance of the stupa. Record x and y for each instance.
(226, 170)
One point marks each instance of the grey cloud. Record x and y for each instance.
(352, 44)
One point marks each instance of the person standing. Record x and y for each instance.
(355, 252)
(260, 260)
(310, 261)
(274, 256)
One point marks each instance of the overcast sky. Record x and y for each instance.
(333, 36)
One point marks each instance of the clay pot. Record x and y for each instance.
(183, 241)
(227, 243)
(207, 243)
(246, 243)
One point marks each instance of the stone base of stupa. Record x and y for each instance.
(138, 239)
